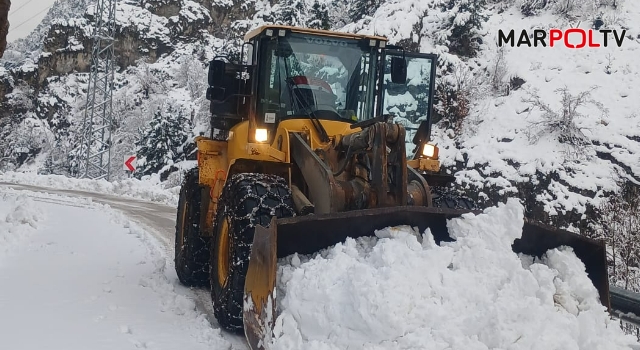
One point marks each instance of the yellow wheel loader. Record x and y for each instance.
(303, 153)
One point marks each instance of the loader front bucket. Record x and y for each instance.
(311, 233)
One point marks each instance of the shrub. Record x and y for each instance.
(498, 73)
(532, 7)
(563, 122)
(618, 223)
(453, 97)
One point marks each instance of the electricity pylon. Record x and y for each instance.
(98, 114)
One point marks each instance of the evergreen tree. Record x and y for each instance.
(290, 12)
(162, 141)
(319, 17)
(360, 9)
(465, 20)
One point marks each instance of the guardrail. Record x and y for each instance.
(625, 305)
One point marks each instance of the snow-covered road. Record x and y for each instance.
(160, 218)
(91, 271)
(76, 274)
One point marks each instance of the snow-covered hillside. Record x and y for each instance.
(501, 148)
(509, 140)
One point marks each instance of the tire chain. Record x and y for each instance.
(271, 197)
(444, 197)
(195, 270)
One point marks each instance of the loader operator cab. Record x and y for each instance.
(308, 74)
(289, 73)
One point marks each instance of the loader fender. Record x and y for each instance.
(245, 166)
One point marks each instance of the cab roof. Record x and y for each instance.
(320, 32)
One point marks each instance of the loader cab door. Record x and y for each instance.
(409, 101)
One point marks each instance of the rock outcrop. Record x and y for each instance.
(4, 24)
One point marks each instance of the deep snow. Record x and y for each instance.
(402, 291)
(76, 275)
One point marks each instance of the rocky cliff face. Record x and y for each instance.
(4, 24)
(146, 29)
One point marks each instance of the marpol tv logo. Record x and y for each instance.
(573, 38)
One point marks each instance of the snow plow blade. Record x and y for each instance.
(311, 233)
(258, 310)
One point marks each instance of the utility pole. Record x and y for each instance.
(98, 114)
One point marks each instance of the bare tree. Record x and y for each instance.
(191, 74)
(499, 72)
(563, 123)
(454, 95)
(618, 223)
(149, 82)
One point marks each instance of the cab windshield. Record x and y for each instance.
(329, 78)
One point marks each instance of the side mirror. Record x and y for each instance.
(216, 72)
(398, 70)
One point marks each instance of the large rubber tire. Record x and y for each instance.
(246, 201)
(446, 197)
(191, 250)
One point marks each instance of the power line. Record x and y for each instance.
(18, 9)
(30, 18)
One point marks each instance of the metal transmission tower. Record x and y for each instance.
(98, 115)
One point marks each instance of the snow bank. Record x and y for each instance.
(402, 291)
(133, 188)
(19, 217)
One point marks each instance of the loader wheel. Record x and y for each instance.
(191, 250)
(246, 201)
(444, 197)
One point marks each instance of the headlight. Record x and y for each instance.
(261, 135)
(430, 151)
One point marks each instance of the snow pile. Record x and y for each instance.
(133, 188)
(402, 291)
(19, 217)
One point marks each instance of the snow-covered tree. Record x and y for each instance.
(147, 78)
(360, 9)
(162, 142)
(618, 222)
(461, 28)
(319, 17)
(290, 12)
(192, 76)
